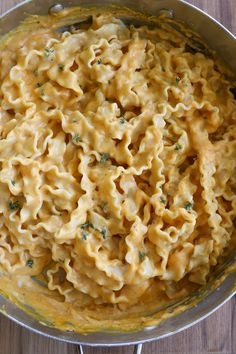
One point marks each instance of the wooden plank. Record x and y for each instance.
(216, 334)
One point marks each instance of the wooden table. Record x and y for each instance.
(216, 334)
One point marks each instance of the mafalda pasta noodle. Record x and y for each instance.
(117, 164)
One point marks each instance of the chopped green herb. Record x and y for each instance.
(35, 72)
(177, 80)
(142, 256)
(86, 224)
(13, 182)
(74, 121)
(84, 235)
(48, 51)
(99, 61)
(104, 233)
(163, 69)
(104, 206)
(39, 84)
(163, 200)
(42, 93)
(30, 263)
(123, 120)
(14, 205)
(104, 157)
(174, 138)
(61, 67)
(178, 146)
(188, 206)
(77, 138)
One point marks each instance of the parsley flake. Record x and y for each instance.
(77, 138)
(104, 233)
(188, 206)
(84, 235)
(104, 157)
(13, 182)
(14, 205)
(123, 120)
(177, 80)
(86, 224)
(104, 206)
(39, 84)
(48, 51)
(163, 200)
(42, 93)
(142, 256)
(178, 146)
(84, 227)
(99, 61)
(61, 67)
(30, 263)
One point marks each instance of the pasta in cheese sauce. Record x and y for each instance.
(117, 165)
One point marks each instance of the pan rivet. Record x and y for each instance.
(167, 12)
(55, 9)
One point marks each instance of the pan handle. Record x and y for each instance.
(81, 351)
(138, 349)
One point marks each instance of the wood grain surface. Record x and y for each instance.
(216, 334)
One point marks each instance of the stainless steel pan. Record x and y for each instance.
(219, 39)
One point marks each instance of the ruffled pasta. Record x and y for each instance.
(117, 162)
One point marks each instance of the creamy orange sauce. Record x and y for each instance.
(115, 141)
